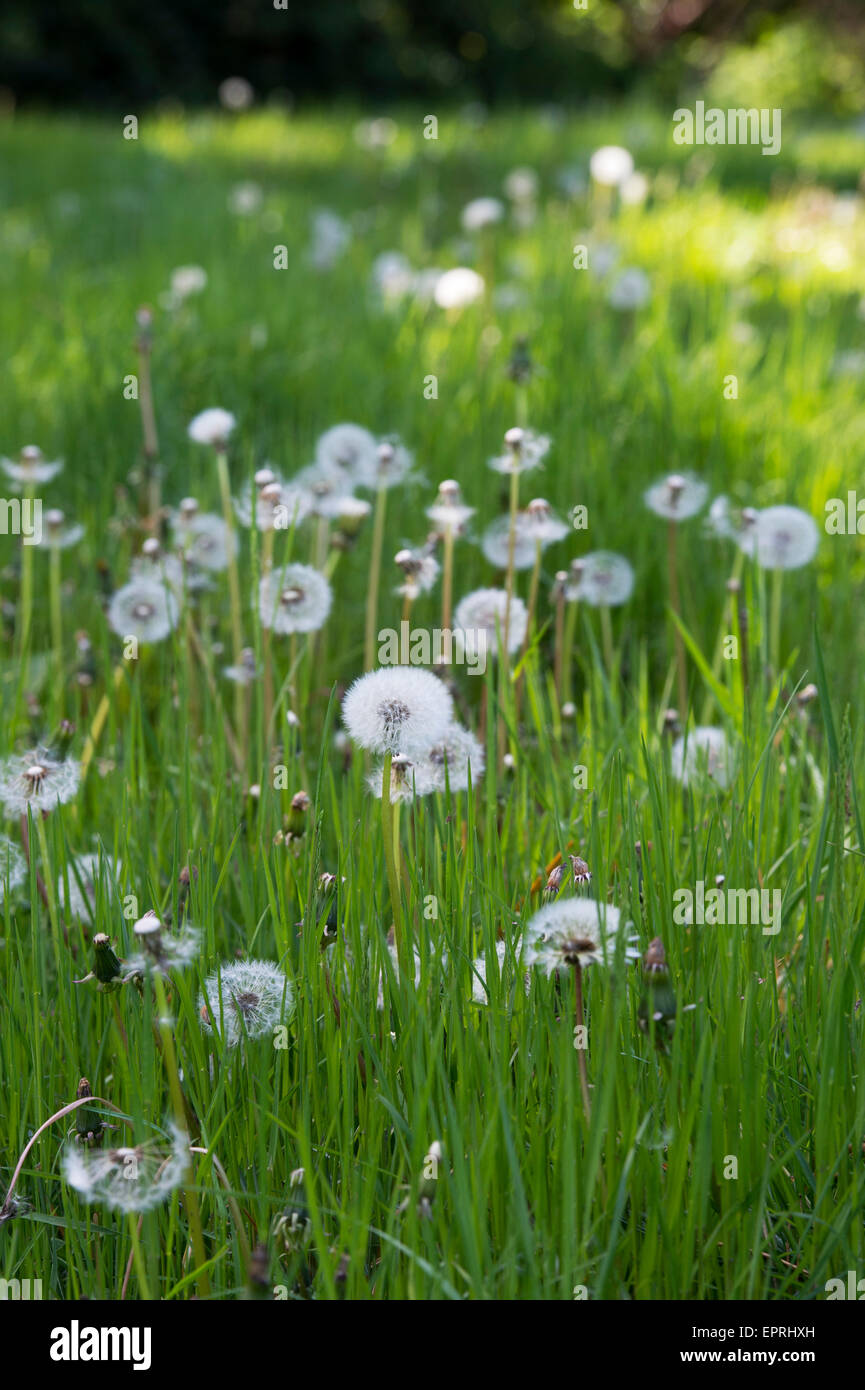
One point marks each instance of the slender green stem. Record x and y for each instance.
(391, 862)
(581, 1051)
(676, 605)
(374, 578)
(777, 583)
(233, 587)
(138, 1257)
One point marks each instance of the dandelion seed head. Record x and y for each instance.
(457, 288)
(39, 780)
(398, 709)
(703, 753)
(421, 570)
(31, 466)
(677, 496)
(144, 609)
(296, 598)
(786, 538)
(128, 1179)
(577, 931)
(58, 533)
(212, 426)
(525, 451)
(482, 212)
(601, 579)
(727, 523)
(480, 617)
(611, 165)
(247, 998)
(349, 451)
(451, 760)
(496, 544)
(205, 540)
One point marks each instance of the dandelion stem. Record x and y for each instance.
(775, 622)
(374, 577)
(447, 577)
(567, 654)
(56, 618)
(676, 605)
(581, 1051)
(138, 1255)
(233, 585)
(390, 856)
(190, 1196)
(607, 640)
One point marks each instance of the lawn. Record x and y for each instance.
(437, 1116)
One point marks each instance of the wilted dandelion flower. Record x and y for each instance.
(398, 709)
(212, 426)
(347, 449)
(188, 279)
(577, 931)
(524, 450)
(57, 532)
(457, 288)
(246, 999)
(480, 617)
(482, 212)
(634, 190)
(451, 760)
(129, 1179)
(37, 779)
(296, 598)
(677, 496)
(703, 753)
(144, 609)
(601, 579)
(205, 540)
(406, 782)
(13, 867)
(630, 289)
(787, 538)
(611, 165)
(393, 464)
(83, 875)
(449, 514)
(31, 466)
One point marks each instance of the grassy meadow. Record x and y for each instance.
(455, 1141)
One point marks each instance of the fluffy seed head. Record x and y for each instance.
(246, 999)
(296, 598)
(480, 616)
(700, 754)
(787, 538)
(144, 609)
(128, 1179)
(602, 580)
(677, 496)
(577, 931)
(398, 709)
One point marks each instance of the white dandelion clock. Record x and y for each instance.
(161, 950)
(246, 999)
(38, 780)
(393, 465)
(398, 709)
(155, 566)
(601, 579)
(421, 570)
(187, 280)
(144, 609)
(212, 426)
(205, 540)
(31, 467)
(451, 761)
(481, 618)
(13, 867)
(496, 544)
(786, 538)
(278, 506)
(457, 288)
(296, 598)
(611, 165)
(129, 1179)
(406, 780)
(676, 497)
(630, 289)
(449, 514)
(482, 212)
(347, 449)
(704, 754)
(577, 931)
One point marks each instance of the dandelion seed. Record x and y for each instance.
(480, 978)
(457, 288)
(31, 467)
(129, 1179)
(611, 165)
(480, 617)
(398, 709)
(482, 212)
(58, 533)
(38, 780)
(154, 566)
(786, 538)
(577, 931)
(144, 609)
(600, 579)
(246, 999)
(296, 598)
(676, 497)
(13, 868)
(703, 753)
(235, 94)
(393, 466)
(525, 451)
(212, 426)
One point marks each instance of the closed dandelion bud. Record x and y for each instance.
(89, 1127)
(293, 1227)
(297, 816)
(657, 1007)
(582, 872)
(106, 966)
(554, 881)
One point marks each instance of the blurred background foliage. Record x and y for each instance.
(120, 55)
